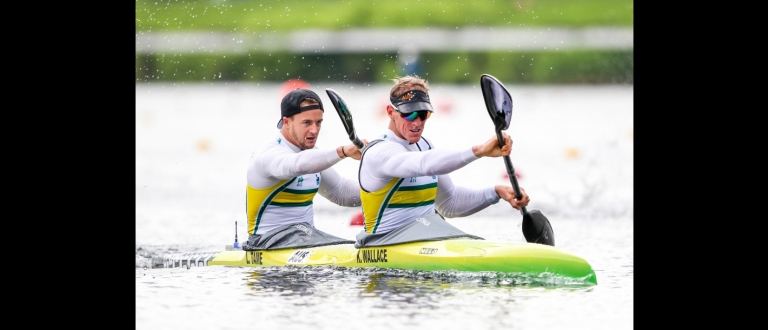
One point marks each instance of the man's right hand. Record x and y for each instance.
(352, 152)
(507, 193)
(491, 147)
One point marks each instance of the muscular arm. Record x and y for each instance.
(456, 201)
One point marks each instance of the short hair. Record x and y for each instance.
(406, 83)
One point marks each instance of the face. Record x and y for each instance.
(304, 128)
(404, 128)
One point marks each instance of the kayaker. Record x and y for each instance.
(404, 179)
(287, 171)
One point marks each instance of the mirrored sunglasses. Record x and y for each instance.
(411, 116)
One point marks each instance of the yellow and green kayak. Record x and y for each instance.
(458, 254)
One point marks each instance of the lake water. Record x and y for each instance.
(573, 150)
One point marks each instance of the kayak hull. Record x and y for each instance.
(452, 254)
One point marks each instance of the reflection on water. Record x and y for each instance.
(404, 292)
(285, 281)
(408, 286)
(404, 298)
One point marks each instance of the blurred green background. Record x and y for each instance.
(245, 40)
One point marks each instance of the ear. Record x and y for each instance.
(389, 110)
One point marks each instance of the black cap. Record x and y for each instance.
(412, 100)
(292, 100)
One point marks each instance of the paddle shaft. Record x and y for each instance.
(511, 173)
(353, 137)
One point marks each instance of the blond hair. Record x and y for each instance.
(406, 83)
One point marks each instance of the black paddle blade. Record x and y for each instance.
(536, 228)
(345, 115)
(497, 101)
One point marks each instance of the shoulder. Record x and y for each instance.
(271, 148)
(382, 144)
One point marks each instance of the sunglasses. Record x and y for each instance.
(411, 116)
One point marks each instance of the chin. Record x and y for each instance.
(413, 138)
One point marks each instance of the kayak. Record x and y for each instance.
(459, 254)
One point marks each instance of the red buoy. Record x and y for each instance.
(517, 174)
(357, 220)
(290, 85)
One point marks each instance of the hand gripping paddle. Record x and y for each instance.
(536, 227)
(345, 115)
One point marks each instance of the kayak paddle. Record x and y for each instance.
(536, 227)
(345, 115)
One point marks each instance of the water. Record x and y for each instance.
(573, 150)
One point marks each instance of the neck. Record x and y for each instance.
(394, 129)
(284, 132)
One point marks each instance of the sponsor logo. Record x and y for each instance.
(299, 257)
(427, 251)
(371, 256)
(253, 257)
(424, 221)
(305, 229)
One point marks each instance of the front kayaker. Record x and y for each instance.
(285, 174)
(404, 179)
